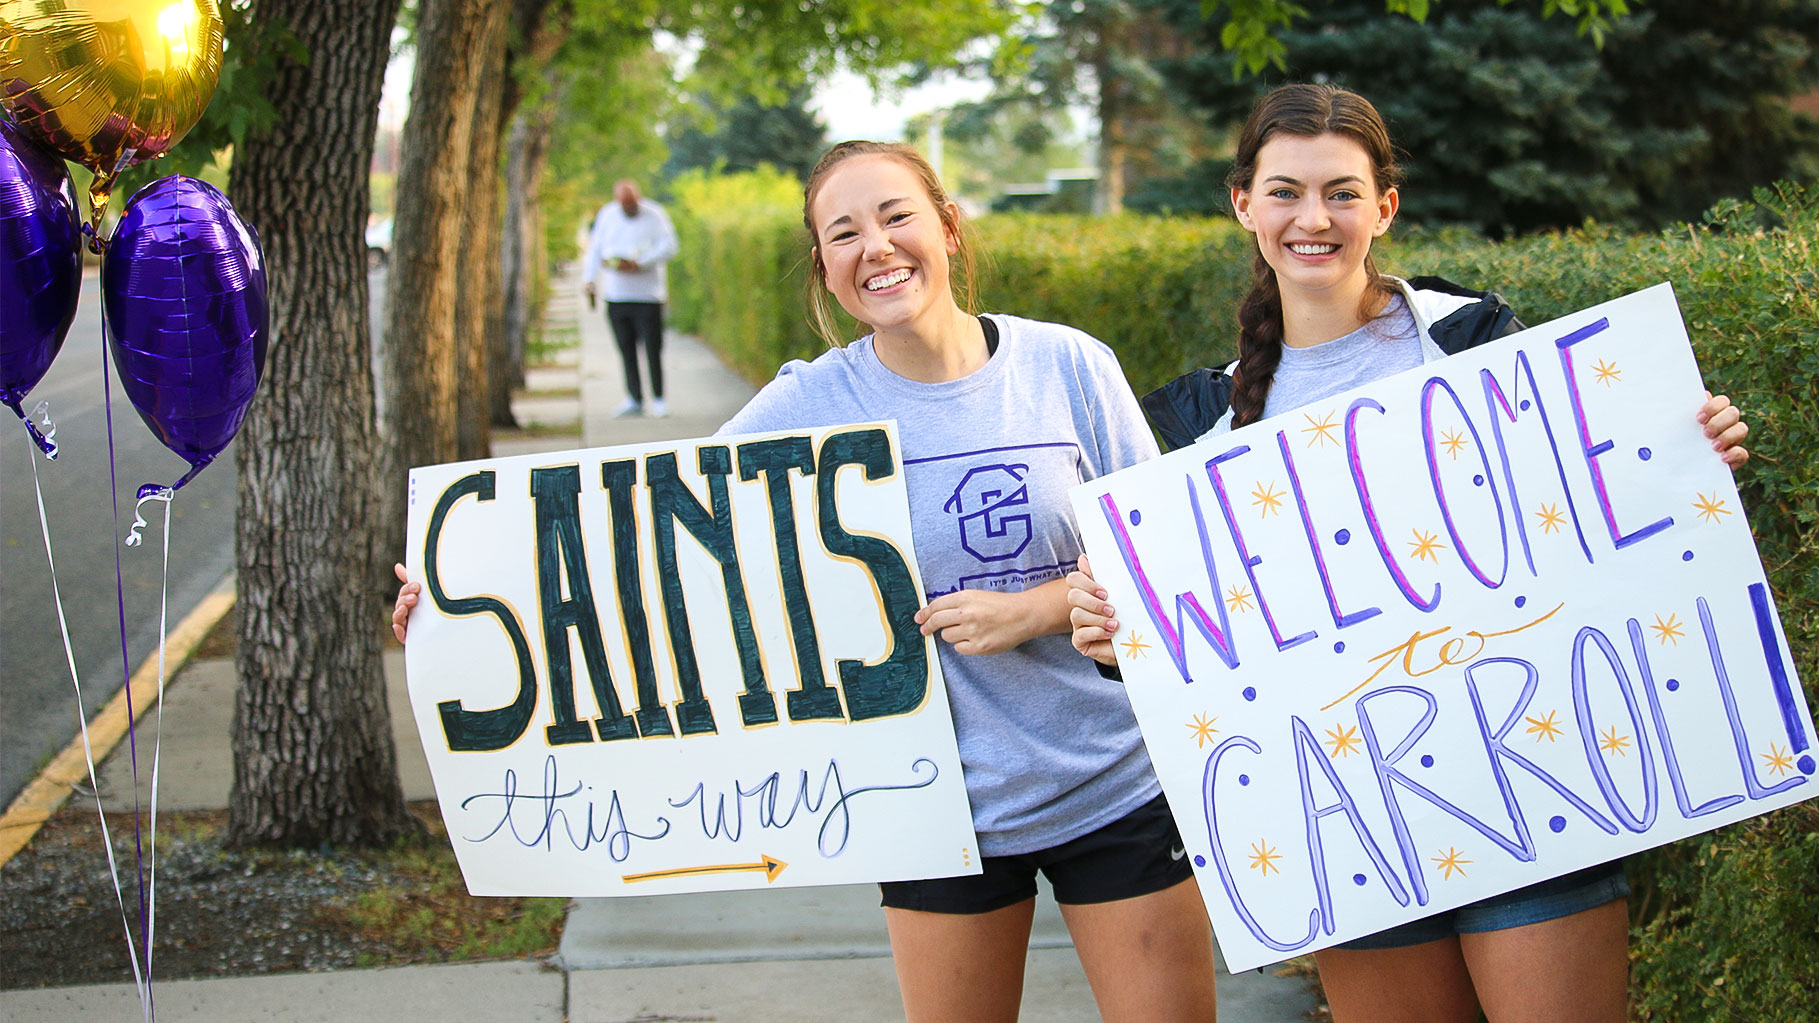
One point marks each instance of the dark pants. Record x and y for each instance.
(633, 322)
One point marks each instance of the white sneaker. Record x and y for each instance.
(630, 408)
(659, 408)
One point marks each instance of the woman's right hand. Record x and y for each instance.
(1090, 615)
(407, 599)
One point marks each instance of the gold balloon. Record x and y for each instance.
(108, 83)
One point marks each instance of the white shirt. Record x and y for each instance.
(645, 238)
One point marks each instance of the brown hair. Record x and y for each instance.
(820, 310)
(1306, 111)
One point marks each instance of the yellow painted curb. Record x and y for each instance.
(51, 789)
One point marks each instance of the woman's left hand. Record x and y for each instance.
(977, 621)
(1725, 428)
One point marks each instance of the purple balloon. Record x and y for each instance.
(40, 265)
(183, 287)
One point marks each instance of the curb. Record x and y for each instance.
(52, 787)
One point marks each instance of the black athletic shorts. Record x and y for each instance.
(1138, 854)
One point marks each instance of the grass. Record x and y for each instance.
(426, 915)
(541, 346)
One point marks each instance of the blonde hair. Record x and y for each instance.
(820, 308)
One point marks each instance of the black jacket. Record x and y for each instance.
(1191, 404)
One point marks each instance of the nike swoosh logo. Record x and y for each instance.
(1176, 853)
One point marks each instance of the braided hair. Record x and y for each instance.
(1307, 111)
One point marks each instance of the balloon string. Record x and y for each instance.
(133, 539)
(46, 441)
(151, 919)
(132, 740)
(141, 983)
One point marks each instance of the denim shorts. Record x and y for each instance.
(1137, 854)
(1549, 900)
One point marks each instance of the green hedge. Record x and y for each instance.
(1725, 923)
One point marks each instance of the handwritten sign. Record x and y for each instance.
(682, 667)
(1472, 626)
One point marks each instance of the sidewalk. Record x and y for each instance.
(801, 955)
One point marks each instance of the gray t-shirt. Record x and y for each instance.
(1385, 346)
(1050, 749)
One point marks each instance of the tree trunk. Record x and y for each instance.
(522, 258)
(539, 28)
(313, 754)
(424, 280)
(1113, 145)
(479, 312)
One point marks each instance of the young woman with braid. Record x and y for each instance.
(1315, 181)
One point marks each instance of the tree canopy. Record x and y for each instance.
(1511, 122)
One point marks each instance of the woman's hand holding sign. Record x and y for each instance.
(407, 599)
(1090, 615)
(1725, 428)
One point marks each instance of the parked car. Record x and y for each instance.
(378, 243)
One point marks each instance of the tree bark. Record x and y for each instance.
(539, 29)
(313, 754)
(523, 257)
(480, 309)
(424, 278)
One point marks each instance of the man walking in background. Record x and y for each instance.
(631, 241)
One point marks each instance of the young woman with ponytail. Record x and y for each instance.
(997, 417)
(1315, 180)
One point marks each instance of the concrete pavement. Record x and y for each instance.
(802, 955)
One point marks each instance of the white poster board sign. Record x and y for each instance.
(1472, 626)
(686, 666)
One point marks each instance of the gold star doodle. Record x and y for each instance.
(1450, 861)
(1452, 441)
(1322, 431)
(1607, 372)
(1426, 544)
(1545, 727)
(1238, 597)
(1203, 729)
(1711, 507)
(1551, 519)
(1778, 760)
(1668, 630)
(1343, 740)
(1610, 742)
(1264, 858)
(1267, 496)
(1135, 646)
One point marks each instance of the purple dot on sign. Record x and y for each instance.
(1244, 779)
(1427, 760)
(1673, 685)
(1556, 824)
(1644, 454)
(1478, 480)
(1343, 537)
(1358, 879)
(1521, 601)
(1199, 861)
(1686, 555)
(1339, 647)
(1525, 405)
(1250, 693)
(1805, 764)
(1136, 517)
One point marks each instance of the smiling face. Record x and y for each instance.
(1314, 206)
(883, 244)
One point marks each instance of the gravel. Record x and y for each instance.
(219, 912)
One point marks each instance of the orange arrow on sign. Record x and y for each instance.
(770, 865)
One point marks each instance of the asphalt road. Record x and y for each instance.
(37, 698)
